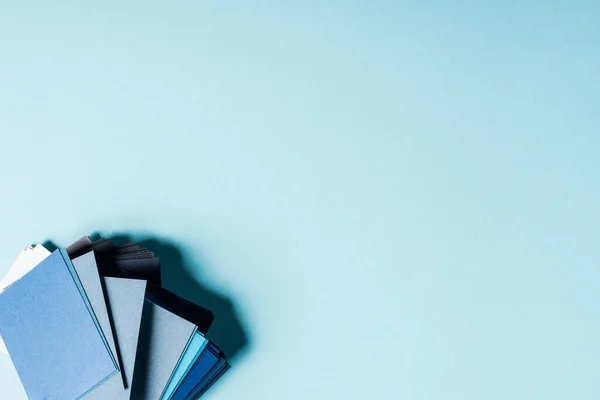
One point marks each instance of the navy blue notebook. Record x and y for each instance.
(211, 378)
(53, 341)
(199, 373)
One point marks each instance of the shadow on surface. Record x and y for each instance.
(226, 331)
(49, 245)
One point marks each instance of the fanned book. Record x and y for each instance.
(92, 321)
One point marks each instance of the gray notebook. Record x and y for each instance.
(164, 337)
(125, 304)
(87, 272)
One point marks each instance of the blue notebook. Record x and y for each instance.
(53, 340)
(209, 379)
(193, 351)
(201, 368)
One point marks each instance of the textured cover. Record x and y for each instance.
(53, 341)
(87, 271)
(125, 303)
(86, 300)
(25, 262)
(164, 338)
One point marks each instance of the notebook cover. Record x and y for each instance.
(25, 262)
(209, 379)
(65, 359)
(125, 298)
(86, 300)
(212, 381)
(87, 271)
(164, 338)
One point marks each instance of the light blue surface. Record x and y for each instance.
(421, 177)
(197, 344)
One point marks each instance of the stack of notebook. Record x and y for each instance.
(92, 321)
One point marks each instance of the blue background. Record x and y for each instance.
(400, 199)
